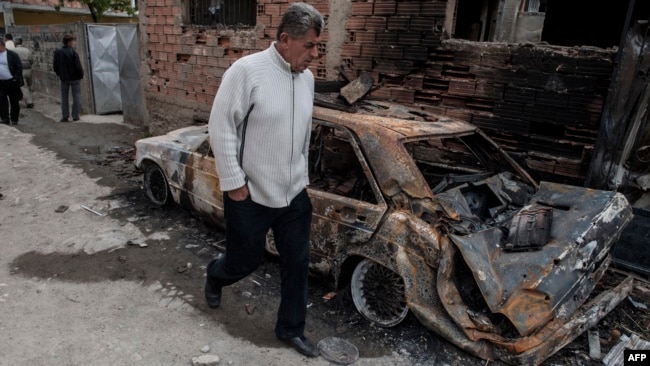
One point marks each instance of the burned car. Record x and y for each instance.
(423, 213)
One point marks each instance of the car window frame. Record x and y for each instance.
(367, 170)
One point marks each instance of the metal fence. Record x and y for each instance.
(223, 12)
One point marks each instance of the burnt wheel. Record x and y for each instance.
(378, 294)
(155, 185)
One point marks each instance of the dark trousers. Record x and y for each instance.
(66, 87)
(246, 226)
(9, 89)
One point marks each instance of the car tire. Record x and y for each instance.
(378, 294)
(156, 187)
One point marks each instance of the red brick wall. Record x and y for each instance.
(542, 103)
(185, 63)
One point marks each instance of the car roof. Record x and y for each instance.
(382, 129)
(396, 120)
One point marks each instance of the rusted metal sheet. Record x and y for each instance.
(357, 88)
(531, 287)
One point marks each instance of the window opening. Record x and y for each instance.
(223, 12)
(475, 20)
(334, 166)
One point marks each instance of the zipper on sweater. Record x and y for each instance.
(293, 110)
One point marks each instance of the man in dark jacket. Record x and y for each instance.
(68, 67)
(11, 79)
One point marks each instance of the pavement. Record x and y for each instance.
(50, 107)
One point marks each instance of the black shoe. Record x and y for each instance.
(75, 119)
(6, 121)
(212, 295)
(303, 345)
(64, 120)
(14, 122)
(30, 105)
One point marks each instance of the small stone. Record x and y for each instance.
(341, 329)
(205, 349)
(205, 360)
(250, 308)
(181, 269)
(247, 294)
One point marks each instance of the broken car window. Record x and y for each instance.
(334, 166)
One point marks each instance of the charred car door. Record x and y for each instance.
(201, 190)
(348, 205)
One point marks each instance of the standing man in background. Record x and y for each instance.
(27, 60)
(67, 67)
(259, 128)
(11, 79)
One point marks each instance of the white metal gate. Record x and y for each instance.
(115, 70)
(128, 53)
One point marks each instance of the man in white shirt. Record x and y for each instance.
(259, 127)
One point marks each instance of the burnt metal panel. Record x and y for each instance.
(633, 249)
(530, 288)
(626, 110)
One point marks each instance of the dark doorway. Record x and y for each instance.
(582, 23)
(475, 19)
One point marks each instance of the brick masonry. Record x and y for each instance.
(541, 103)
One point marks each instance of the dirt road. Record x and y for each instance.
(123, 286)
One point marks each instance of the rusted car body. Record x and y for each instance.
(427, 214)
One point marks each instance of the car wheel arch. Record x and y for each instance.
(374, 284)
(155, 183)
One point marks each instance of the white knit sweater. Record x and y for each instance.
(276, 144)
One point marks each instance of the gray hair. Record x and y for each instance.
(18, 41)
(299, 19)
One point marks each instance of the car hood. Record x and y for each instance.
(182, 140)
(188, 137)
(532, 285)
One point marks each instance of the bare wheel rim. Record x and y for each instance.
(378, 294)
(155, 185)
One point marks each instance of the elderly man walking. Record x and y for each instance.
(259, 128)
(27, 60)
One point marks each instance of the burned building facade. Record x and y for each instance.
(534, 74)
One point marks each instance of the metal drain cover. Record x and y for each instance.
(338, 350)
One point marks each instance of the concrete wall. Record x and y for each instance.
(542, 103)
(43, 40)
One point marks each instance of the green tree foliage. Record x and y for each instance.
(99, 7)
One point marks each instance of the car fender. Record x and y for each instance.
(410, 247)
